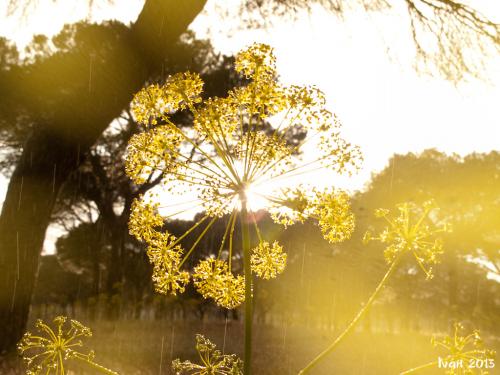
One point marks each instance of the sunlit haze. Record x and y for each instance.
(366, 74)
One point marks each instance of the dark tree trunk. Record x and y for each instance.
(30, 198)
(114, 282)
(54, 149)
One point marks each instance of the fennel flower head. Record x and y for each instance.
(468, 350)
(48, 350)
(242, 148)
(213, 362)
(413, 231)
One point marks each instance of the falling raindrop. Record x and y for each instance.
(303, 264)
(284, 335)
(90, 72)
(54, 179)
(20, 193)
(392, 174)
(161, 353)
(224, 342)
(13, 296)
(17, 254)
(172, 343)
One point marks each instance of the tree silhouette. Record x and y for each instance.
(76, 94)
(61, 104)
(448, 35)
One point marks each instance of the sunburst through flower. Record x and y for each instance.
(240, 146)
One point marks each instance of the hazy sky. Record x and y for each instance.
(384, 105)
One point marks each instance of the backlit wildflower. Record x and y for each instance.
(231, 292)
(330, 208)
(412, 231)
(48, 351)
(207, 276)
(240, 149)
(267, 260)
(143, 220)
(466, 350)
(213, 362)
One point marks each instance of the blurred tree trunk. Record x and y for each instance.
(55, 148)
(114, 283)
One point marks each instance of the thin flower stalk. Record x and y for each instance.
(247, 268)
(410, 232)
(354, 322)
(465, 352)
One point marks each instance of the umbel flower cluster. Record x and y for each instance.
(467, 350)
(213, 362)
(240, 149)
(48, 351)
(412, 231)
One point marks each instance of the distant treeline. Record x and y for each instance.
(323, 284)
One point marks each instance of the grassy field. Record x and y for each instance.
(148, 347)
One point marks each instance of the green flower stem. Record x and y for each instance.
(356, 319)
(197, 241)
(98, 367)
(430, 364)
(245, 235)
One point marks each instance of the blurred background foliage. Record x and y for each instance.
(324, 284)
(64, 126)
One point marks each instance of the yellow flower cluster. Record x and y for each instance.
(412, 231)
(237, 143)
(167, 276)
(257, 62)
(213, 362)
(153, 101)
(330, 208)
(333, 210)
(290, 206)
(151, 151)
(163, 249)
(468, 350)
(267, 260)
(213, 279)
(48, 351)
(143, 220)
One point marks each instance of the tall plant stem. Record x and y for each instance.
(355, 321)
(98, 367)
(245, 236)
